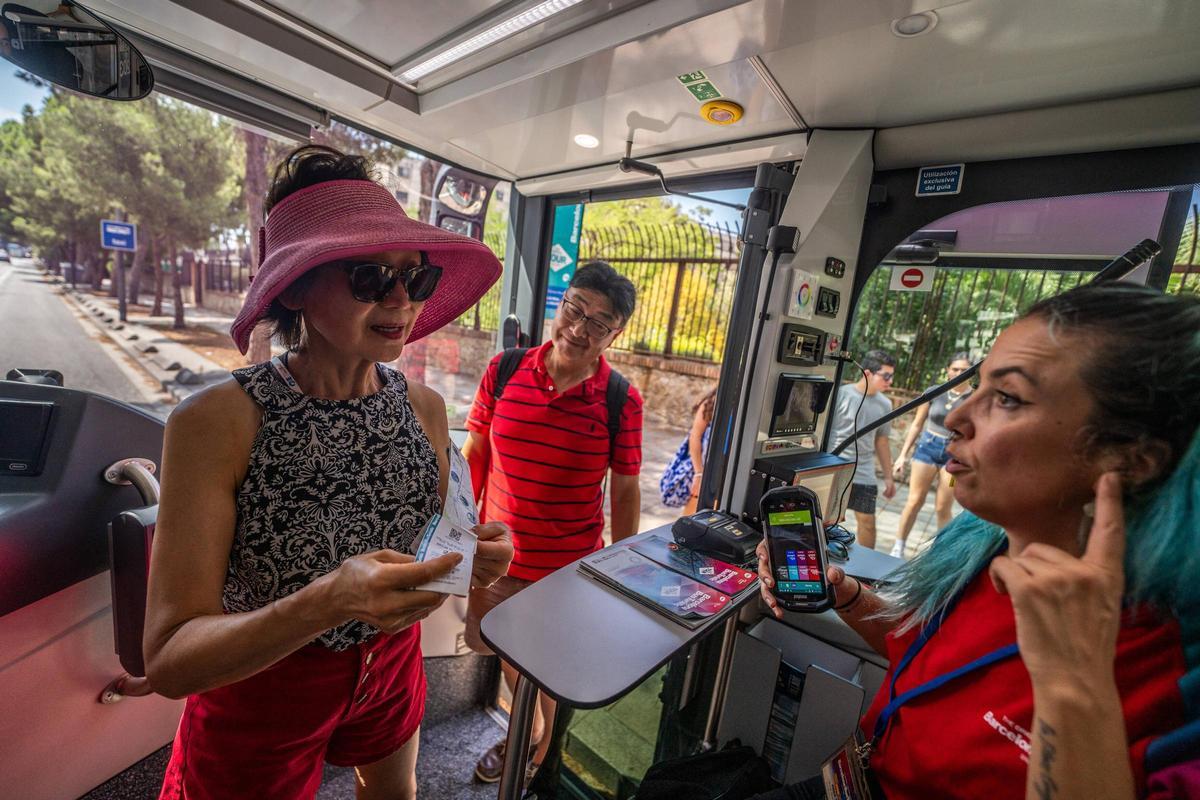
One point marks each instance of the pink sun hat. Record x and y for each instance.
(344, 219)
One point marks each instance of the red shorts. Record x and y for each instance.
(268, 735)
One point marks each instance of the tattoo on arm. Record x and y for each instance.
(1044, 783)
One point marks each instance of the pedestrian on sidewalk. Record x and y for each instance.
(930, 458)
(859, 405)
(293, 493)
(681, 480)
(548, 426)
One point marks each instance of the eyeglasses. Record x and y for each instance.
(837, 543)
(887, 376)
(572, 313)
(372, 282)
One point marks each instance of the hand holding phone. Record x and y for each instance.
(795, 544)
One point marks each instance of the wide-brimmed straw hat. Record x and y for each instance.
(346, 219)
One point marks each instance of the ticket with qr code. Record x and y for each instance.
(441, 537)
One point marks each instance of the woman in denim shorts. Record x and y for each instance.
(930, 455)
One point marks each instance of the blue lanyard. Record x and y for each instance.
(935, 624)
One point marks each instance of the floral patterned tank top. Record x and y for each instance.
(327, 480)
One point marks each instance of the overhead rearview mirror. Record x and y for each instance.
(65, 44)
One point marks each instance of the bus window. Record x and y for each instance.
(943, 296)
(189, 186)
(452, 360)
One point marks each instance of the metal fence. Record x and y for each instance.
(226, 271)
(684, 274)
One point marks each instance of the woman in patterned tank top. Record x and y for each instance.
(282, 599)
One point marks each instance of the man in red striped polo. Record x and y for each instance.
(540, 453)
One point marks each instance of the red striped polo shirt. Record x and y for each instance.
(549, 456)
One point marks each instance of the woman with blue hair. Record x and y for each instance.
(1048, 643)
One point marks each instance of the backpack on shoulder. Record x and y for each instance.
(616, 392)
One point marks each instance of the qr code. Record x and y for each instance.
(670, 591)
(708, 570)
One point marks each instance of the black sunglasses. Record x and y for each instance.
(371, 282)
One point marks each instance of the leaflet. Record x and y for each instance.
(682, 599)
(712, 572)
(440, 537)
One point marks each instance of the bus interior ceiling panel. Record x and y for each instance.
(826, 204)
(1001, 181)
(610, 69)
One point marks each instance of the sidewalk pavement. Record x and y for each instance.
(204, 353)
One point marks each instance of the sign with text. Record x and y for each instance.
(944, 179)
(564, 254)
(912, 279)
(117, 235)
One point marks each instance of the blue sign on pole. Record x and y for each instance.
(564, 254)
(946, 179)
(117, 235)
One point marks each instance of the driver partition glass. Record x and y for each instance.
(66, 45)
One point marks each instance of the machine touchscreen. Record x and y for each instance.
(796, 548)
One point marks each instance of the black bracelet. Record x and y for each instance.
(852, 600)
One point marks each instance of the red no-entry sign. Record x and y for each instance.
(912, 279)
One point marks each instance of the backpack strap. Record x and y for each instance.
(509, 362)
(616, 395)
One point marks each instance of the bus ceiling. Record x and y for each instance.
(550, 91)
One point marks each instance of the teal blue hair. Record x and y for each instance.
(1142, 369)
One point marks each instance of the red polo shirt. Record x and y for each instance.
(970, 738)
(549, 456)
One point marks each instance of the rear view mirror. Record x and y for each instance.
(65, 44)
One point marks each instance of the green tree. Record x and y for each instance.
(52, 208)
(682, 269)
(167, 166)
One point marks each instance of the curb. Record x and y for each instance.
(178, 370)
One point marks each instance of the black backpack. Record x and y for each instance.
(615, 395)
(735, 773)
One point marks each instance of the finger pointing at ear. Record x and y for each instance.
(1106, 544)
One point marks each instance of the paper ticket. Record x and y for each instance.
(441, 537)
(460, 495)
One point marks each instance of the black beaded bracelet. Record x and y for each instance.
(852, 600)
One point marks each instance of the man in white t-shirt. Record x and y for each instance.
(858, 405)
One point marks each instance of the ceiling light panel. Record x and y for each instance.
(502, 30)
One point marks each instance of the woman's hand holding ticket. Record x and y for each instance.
(377, 588)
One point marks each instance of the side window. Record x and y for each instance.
(191, 183)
